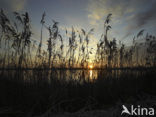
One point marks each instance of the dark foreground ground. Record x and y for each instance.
(41, 93)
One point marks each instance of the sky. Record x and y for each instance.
(128, 16)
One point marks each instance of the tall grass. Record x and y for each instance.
(40, 83)
(18, 49)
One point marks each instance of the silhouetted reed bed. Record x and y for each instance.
(69, 47)
(36, 91)
(68, 74)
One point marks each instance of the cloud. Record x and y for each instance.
(98, 9)
(141, 19)
(144, 17)
(13, 5)
(128, 16)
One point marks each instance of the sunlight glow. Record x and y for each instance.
(90, 66)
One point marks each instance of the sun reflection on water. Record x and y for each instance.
(91, 74)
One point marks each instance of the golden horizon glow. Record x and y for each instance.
(90, 66)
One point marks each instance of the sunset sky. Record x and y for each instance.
(129, 16)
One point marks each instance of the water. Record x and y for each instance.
(80, 76)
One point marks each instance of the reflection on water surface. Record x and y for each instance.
(67, 75)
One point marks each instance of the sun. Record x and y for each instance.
(90, 66)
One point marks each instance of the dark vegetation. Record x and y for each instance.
(38, 95)
(41, 83)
